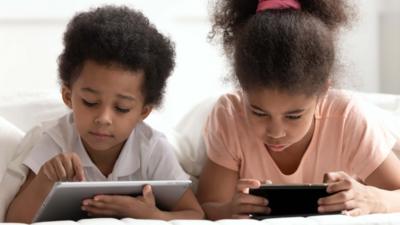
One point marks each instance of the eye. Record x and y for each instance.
(294, 117)
(122, 110)
(258, 114)
(89, 104)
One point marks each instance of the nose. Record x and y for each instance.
(104, 117)
(275, 130)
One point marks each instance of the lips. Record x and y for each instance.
(276, 147)
(100, 134)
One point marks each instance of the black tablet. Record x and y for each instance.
(65, 199)
(291, 200)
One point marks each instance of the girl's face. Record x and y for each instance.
(278, 119)
(107, 103)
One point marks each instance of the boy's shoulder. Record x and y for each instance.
(147, 135)
(61, 131)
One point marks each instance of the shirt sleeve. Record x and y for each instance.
(220, 136)
(163, 164)
(42, 151)
(367, 143)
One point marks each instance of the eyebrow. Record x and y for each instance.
(296, 111)
(90, 90)
(127, 97)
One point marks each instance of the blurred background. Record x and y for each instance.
(31, 40)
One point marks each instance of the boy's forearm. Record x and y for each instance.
(27, 202)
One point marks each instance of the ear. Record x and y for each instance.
(327, 85)
(66, 96)
(146, 110)
(325, 88)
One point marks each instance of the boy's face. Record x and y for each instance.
(107, 103)
(280, 120)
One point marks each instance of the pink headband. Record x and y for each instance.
(277, 4)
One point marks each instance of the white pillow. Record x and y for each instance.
(187, 137)
(26, 109)
(385, 108)
(16, 172)
(10, 136)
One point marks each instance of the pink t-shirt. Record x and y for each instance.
(345, 139)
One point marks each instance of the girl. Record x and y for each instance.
(285, 124)
(113, 71)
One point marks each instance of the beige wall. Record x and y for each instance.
(389, 70)
(31, 32)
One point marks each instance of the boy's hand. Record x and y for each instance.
(243, 204)
(143, 207)
(348, 195)
(63, 167)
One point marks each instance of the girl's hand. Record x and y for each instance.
(143, 207)
(243, 204)
(63, 167)
(349, 196)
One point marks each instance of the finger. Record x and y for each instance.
(243, 185)
(50, 172)
(119, 204)
(251, 209)
(78, 169)
(353, 212)
(267, 182)
(332, 177)
(68, 166)
(59, 169)
(341, 185)
(98, 204)
(98, 212)
(252, 199)
(337, 207)
(337, 198)
(108, 199)
(241, 216)
(148, 195)
(104, 202)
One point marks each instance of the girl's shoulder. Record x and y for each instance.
(228, 114)
(339, 103)
(231, 103)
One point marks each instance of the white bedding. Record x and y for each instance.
(374, 219)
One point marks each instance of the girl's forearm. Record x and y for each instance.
(28, 201)
(386, 201)
(216, 211)
(184, 214)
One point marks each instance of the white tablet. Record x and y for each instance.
(64, 201)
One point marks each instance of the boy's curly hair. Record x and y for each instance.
(121, 36)
(285, 49)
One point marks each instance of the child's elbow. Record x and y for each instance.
(14, 217)
(199, 214)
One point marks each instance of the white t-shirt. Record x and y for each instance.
(146, 155)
